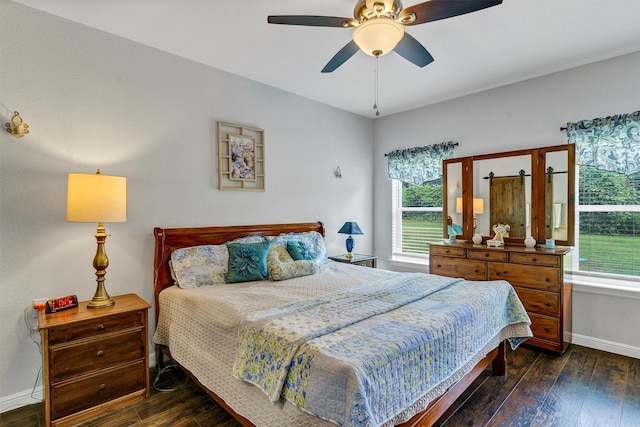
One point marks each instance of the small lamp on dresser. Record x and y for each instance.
(97, 198)
(350, 228)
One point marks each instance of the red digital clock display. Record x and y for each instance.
(59, 304)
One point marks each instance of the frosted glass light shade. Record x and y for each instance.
(96, 198)
(378, 35)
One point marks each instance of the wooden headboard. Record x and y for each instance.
(169, 239)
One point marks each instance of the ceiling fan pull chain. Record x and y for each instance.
(375, 86)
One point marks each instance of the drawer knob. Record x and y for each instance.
(547, 280)
(534, 259)
(100, 327)
(476, 271)
(447, 251)
(439, 265)
(100, 353)
(547, 304)
(546, 329)
(486, 255)
(102, 387)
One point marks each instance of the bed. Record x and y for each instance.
(218, 346)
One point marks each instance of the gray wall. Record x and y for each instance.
(94, 100)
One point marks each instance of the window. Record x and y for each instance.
(417, 217)
(608, 191)
(608, 222)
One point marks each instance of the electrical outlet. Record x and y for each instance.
(39, 303)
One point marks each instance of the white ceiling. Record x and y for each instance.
(515, 41)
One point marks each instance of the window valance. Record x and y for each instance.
(609, 143)
(419, 164)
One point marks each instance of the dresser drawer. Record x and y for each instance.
(95, 327)
(90, 355)
(536, 259)
(488, 255)
(540, 302)
(526, 276)
(73, 396)
(448, 251)
(545, 327)
(452, 267)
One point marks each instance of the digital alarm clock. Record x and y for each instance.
(59, 304)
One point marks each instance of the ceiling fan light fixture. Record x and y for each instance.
(379, 35)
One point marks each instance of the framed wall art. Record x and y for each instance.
(240, 157)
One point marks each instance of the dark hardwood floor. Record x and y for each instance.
(585, 387)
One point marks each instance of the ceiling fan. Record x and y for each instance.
(379, 26)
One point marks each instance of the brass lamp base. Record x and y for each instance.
(101, 298)
(349, 255)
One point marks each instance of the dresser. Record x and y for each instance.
(538, 276)
(95, 360)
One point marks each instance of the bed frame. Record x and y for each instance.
(169, 239)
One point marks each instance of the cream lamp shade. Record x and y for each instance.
(97, 198)
(458, 204)
(378, 36)
(478, 206)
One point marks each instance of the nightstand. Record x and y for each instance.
(358, 259)
(95, 360)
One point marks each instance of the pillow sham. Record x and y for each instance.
(197, 266)
(247, 261)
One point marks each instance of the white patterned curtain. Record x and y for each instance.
(419, 164)
(609, 143)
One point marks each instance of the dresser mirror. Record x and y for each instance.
(502, 195)
(557, 164)
(528, 190)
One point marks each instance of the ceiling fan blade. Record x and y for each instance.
(310, 20)
(411, 50)
(436, 10)
(341, 57)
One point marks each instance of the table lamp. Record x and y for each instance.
(478, 208)
(350, 228)
(97, 198)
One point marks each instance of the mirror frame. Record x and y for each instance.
(538, 176)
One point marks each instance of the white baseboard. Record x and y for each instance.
(29, 397)
(604, 345)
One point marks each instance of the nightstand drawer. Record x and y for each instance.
(73, 396)
(451, 267)
(95, 327)
(90, 355)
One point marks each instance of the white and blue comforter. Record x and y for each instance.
(360, 357)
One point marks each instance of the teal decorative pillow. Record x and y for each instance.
(300, 250)
(247, 261)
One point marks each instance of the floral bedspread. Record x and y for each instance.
(361, 356)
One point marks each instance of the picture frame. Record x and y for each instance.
(241, 151)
